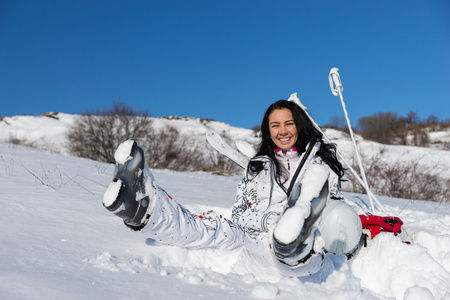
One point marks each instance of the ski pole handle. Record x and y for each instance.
(335, 80)
(294, 98)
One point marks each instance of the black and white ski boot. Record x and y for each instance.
(130, 194)
(294, 235)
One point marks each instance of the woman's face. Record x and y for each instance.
(283, 131)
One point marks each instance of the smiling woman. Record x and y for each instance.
(282, 129)
(286, 127)
(288, 184)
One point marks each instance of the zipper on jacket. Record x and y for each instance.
(300, 166)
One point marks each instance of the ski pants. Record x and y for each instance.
(171, 223)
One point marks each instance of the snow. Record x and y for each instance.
(57, 240)
(46, 131)
(111, 194)
(122, 153)
(440, 139)
(194, 126)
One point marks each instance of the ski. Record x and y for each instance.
(217, 142)
(245, 148)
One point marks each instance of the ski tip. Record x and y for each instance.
(210, 133)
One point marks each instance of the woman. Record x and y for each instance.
(281, 202)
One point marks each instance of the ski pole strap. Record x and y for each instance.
(335, 82)
(376, 224)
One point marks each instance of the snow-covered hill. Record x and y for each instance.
(48, 132)
(57, 241)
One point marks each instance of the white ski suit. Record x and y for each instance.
(260, 200)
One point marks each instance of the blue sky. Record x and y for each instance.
(225, 60)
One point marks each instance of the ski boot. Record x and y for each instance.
(293, 240)
(130, 194)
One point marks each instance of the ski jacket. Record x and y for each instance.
(261, 198)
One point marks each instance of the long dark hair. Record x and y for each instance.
(306, 133)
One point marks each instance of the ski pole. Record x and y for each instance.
(296, 100)
(337, 89)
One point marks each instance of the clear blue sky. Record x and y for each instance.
(225, 60)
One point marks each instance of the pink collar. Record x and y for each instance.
(293, 149)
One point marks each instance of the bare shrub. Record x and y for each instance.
(22, 142)
(381, 127)
(389, 128)
(401, 179)
(418, 135)
(412, 118)
(97, 134)
(168, 149)
(182, 153)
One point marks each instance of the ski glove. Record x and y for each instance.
(376, 224)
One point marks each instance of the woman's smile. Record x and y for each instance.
(283, 130)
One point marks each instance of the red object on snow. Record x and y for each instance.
(376, 224)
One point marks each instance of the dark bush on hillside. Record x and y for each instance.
(96, 135)
(401, 179)
(389, 128)
(380, 127)
(167, 149)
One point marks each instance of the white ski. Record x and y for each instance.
(217, 142)
(246, 148)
